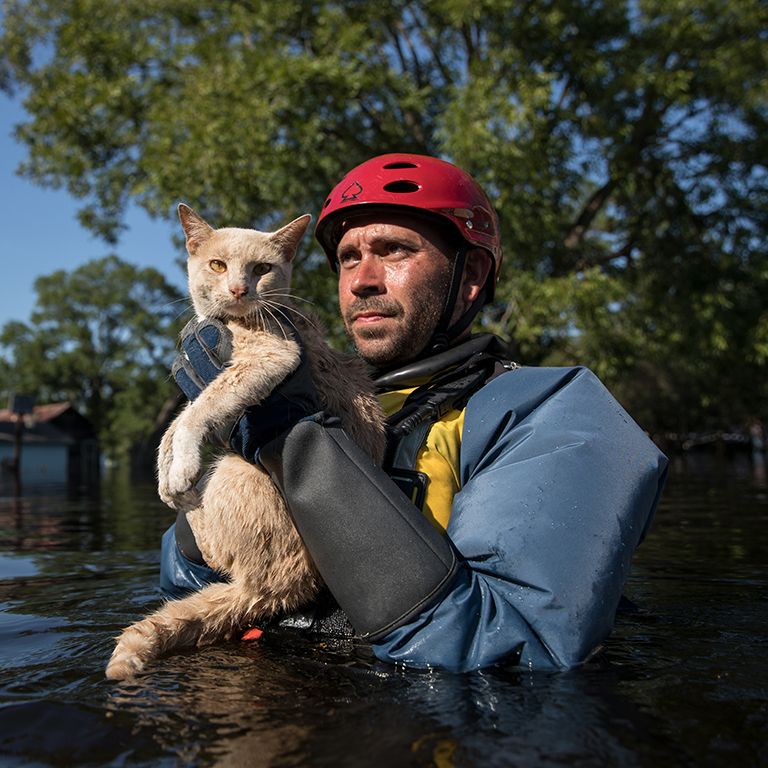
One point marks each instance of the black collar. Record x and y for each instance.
(418, 371)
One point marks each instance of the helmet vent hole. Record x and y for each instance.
(401, 164)
(402, 186)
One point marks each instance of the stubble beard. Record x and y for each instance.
(387, 347)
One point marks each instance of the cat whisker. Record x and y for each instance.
(185, 299)
(285, 315)
(258, 316)
(285, 295)
(176, 301)
(277, 322)
(183, 312)
(282, 307)
(283, 310)
(265, 313)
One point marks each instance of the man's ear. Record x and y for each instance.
(477, 267)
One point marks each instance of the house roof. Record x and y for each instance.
(37, 426)
(40, 412)
(50, 411)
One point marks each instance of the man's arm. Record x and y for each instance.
(558, 488)
(380, 557)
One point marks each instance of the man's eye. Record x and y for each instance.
(261, 268)
(217, 265)
(348, 258)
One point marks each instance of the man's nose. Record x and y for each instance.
(369, 276)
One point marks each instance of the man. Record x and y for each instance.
(512, 499)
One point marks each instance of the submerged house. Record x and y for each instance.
(58, 445)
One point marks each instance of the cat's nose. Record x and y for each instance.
(238, 291)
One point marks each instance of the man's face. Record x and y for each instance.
(394, 272)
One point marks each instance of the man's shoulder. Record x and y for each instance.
(546, 406)
(549, 396)
(522, 385)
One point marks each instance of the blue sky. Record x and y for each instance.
(40, 233)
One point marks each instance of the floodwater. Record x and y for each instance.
(682, 681)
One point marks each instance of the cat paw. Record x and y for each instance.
(184, 499)
(123, 665)
(123, 668)
(182, 476)
(164, 491)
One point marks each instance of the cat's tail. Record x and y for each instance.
(214, 613)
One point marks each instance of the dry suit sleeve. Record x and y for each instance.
(380, 557)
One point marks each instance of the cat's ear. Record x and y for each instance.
(196, 228)
(290, 235)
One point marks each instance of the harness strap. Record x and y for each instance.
(443, 333)
(432, 404)
(407, 430)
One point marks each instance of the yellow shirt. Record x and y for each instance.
(438, 458)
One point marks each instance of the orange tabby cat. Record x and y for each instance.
(240, 522)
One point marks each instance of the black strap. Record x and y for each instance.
(408, 428)
(444, 333)
(431, 402)
(427, 368)
(401, 465)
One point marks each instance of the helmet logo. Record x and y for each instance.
(352, 192)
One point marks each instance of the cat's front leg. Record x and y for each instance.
(185, 464)
(260, 363)
(164, 461)
(177, 465)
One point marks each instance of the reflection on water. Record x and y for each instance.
(681, 681)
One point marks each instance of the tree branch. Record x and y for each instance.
(595, 203)
(628, 157)
(623, 253)
(413, 66)
(434, 49)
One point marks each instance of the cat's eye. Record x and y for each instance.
(217, 265)
(262, 268)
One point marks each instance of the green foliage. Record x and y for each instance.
(101, 336)
(624, 142)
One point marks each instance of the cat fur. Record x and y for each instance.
(239, 518)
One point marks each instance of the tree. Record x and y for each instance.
(624, 142)
(102, 337)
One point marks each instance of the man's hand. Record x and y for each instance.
(357, 524)
(206, 349)
(206, 346)
(292, 401)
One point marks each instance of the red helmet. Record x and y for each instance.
(416, 182)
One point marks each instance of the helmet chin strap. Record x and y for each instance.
(445, 333)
